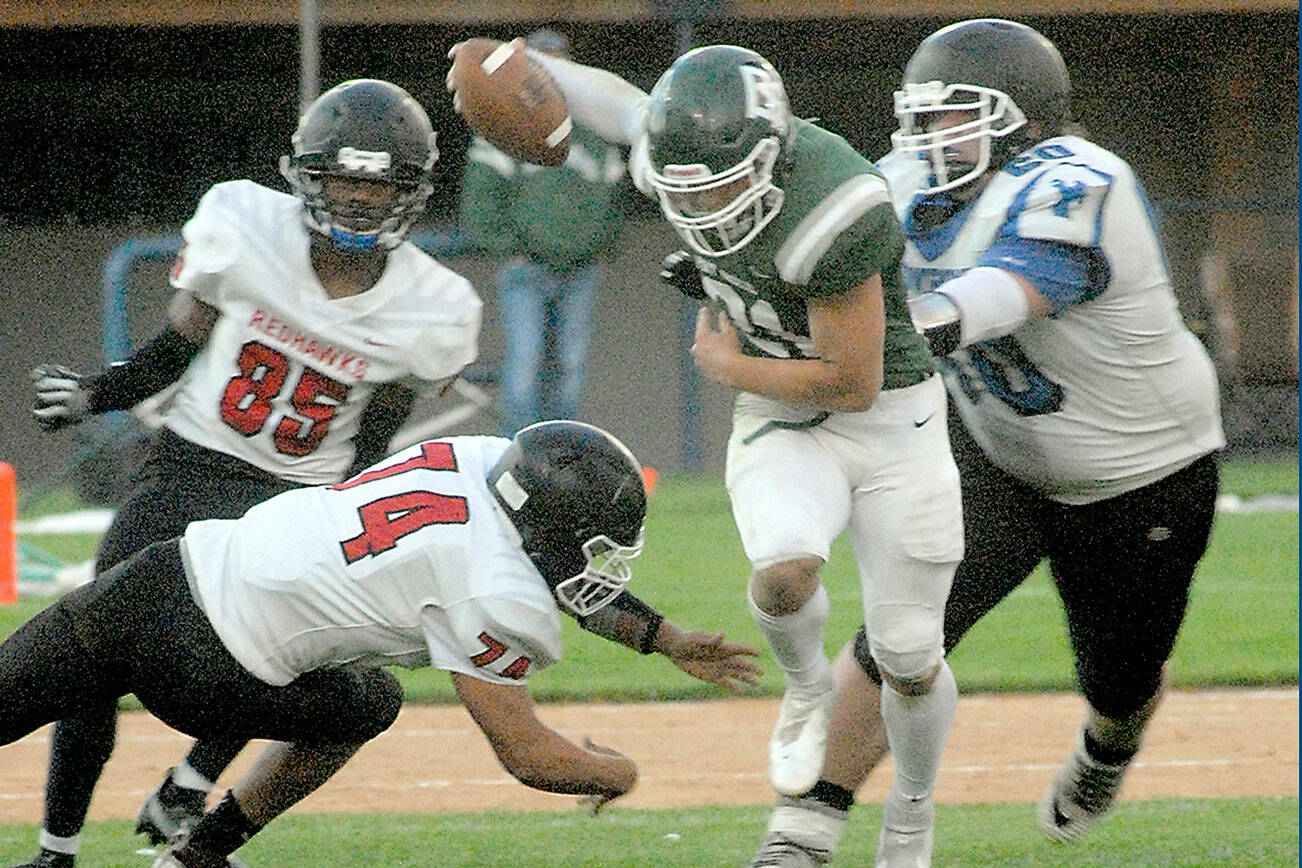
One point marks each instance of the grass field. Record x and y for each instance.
(1207, 833)
(1242, 629)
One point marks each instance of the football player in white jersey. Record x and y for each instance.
(1088, 419)
(837, 425)
(456, 553)
(302, 330)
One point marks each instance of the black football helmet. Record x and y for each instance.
(576, 495)
(369, 130)
(718, 117)
(1007, 74)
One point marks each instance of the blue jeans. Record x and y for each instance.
(547, 318)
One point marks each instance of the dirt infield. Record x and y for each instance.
(1003, 748)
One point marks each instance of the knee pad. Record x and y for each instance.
(360, 706)
(905, 639)
(1121, 692)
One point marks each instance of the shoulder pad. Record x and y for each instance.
(1062, 203)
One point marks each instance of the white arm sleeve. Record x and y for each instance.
(603, 102)
(990, 302)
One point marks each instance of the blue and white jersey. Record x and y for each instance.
(1111, 391)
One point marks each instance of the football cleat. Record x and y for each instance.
(779, 851)
(172, 859)
(50, 859)
(800, 737)
(904, 849)
(170, 811)
(1082, 792)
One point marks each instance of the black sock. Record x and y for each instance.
(832, 795)
(223, 829)
(1107, 755)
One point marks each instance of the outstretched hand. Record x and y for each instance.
(709, 657)
(61, 399)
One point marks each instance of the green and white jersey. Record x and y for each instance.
(836, 229)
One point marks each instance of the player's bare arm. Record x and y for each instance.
(630, 622)
(848, 332)
(534, 753)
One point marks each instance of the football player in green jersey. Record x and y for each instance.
(839, 421)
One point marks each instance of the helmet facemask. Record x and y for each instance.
(917, 107)
(605, 574)
(353, 227)
(716, 231)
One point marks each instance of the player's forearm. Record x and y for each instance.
(599, 100)
(155, 366)
(814, 383)
(552, 763)
(628, 621)
(978, 305)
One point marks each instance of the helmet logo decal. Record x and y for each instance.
(765, 97)
(1071, 195)
(371, 162)
(511, 492)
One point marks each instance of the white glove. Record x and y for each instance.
(60, 399)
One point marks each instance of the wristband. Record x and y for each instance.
(627, 604)
(937, 317)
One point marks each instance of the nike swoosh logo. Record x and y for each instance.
(918, 424)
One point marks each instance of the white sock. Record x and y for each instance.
(69, 845)
(917, 728)
(809, 823)
(797, 639)
(184, 775)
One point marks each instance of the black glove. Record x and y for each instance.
(679, 271)
(60, 398)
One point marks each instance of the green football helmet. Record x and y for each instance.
(717, 124)
(1007, 75)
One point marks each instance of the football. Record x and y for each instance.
(509, 99)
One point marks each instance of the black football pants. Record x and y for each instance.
(1122, 567)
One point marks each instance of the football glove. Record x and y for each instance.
(679, 271)
(60, 398)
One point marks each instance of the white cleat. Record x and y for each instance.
(778, 851)
(800, 738)
(904, 849)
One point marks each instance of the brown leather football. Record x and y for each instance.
(509, 99)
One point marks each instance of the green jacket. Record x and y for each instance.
(564, 217)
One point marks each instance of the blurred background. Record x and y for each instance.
(116, 115)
